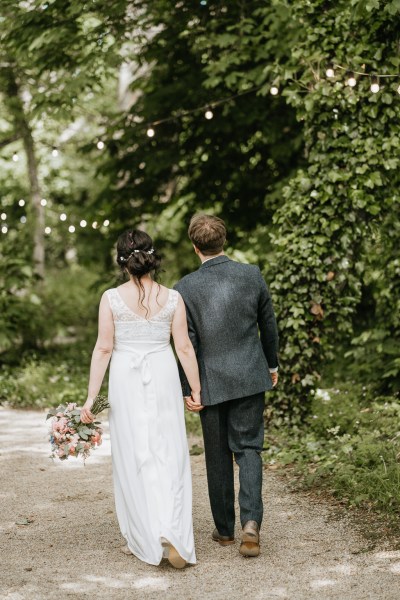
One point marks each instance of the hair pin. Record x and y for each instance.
(123, 259)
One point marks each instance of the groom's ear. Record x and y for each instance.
(196, 249)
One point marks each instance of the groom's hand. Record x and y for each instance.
(274, 377)
(193, 405)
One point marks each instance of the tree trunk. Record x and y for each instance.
(15, 104)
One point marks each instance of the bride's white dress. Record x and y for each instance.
(150, 457)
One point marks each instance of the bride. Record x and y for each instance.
(150, 458)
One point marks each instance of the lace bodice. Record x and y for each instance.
(131, 327)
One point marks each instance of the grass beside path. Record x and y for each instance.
(349, 445)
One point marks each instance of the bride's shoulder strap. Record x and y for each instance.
(174, 296)
(112, 297)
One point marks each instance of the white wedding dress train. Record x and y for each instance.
(150, 457)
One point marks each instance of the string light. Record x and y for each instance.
(330, 71)
(375, 87)
(63, 217)
(100, 145)
(71, 228)
(54, 152)
(23, 219)
(150, 132)
(398, 90)
(15, 157)
(83, 223)
(4, 229)
(3, 216)
(47, 230)
(43, 202)
(274, 91)
(106, 223)
(351, 80)
(94, 224)
(209, 114)
(21, 202)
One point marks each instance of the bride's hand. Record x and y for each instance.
(86, 415)
(193, 402)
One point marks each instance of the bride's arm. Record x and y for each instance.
(184, 349)
(100, 357)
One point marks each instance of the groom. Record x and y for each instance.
(233, 330)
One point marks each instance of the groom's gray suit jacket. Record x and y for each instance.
(232, 327)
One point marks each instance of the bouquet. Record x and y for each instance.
(69, 436)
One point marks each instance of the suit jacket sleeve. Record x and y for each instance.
(267, 325)
(186, 390)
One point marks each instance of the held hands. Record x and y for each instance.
(274, 377)
(193, 402)
(86, 415)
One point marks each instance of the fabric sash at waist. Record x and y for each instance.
(147, 428)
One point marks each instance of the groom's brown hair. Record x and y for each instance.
(207, 233)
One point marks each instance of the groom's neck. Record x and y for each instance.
(204, 257)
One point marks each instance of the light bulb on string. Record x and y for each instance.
(150, 132)
(351, 81)
(330, 72)
(100, 145)
(209, 114)
(23, 219)
(94, 224)
(375, 87)
(47, 230)
(54, 152)
(71, 228)
(83, 223)
(106, 223)
(43, 202)
(3, 216)
(63, 217)
(274, 91)
(15, 157)
(4, 229)
(21, 202)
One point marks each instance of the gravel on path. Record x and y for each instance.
(70, 544)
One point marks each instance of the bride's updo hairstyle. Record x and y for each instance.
(136, 254)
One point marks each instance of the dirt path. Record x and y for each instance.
(71, 547)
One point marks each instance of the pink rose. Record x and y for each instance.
(96, 438)
(71, 406)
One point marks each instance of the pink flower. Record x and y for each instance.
(71, 406)
(96, 438)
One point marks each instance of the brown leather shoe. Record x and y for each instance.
(250, 544)
(223, 540)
